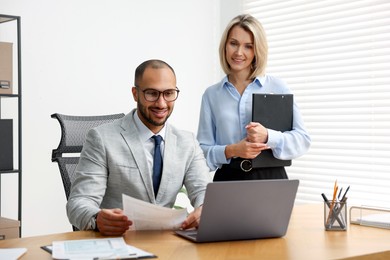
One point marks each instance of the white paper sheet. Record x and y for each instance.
(106, 248)
(11, 253)
(139, 253)
(376, 220)
(146, 216)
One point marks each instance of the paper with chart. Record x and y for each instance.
(106, 248)
(147, 216)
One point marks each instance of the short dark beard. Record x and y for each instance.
(142, 109)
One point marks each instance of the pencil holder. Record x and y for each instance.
(335, 216)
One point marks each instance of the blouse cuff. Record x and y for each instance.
(274, 138)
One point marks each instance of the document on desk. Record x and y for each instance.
(370, 216)
(376, 220)
(146, 216)
(12, 253)
(134, 252)
(106, 248)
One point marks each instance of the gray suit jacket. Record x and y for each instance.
(113, 162)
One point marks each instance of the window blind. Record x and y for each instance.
(335, 56)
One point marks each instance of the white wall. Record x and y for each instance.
(78, 57)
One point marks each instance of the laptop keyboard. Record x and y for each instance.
(193, 233)
(190, 233)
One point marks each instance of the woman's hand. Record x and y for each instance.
(245, 149)
(256, 133)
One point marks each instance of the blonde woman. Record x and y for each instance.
(226, 134)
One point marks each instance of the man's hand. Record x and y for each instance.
(112, 222)
(193, 219)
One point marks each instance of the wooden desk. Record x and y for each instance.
(305, 239)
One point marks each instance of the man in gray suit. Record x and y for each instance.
(118, 158)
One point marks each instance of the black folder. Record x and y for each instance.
(6, 145)
(273, 111)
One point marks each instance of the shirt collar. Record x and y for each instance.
(260, 80)
(144, 133)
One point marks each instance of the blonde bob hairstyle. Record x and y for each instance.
(252, 25)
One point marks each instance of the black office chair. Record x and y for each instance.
(73, 133)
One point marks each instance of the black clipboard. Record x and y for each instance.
(273, 111)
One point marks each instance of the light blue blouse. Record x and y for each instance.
(225, 113)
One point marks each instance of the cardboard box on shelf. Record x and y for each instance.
(6, 68)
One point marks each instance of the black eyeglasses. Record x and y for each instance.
(152, 95)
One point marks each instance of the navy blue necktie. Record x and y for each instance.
(157, 163)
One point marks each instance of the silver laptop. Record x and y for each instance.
(238, 210)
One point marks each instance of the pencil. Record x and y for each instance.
(335, 188)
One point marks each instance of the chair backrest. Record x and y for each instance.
(73, 133)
